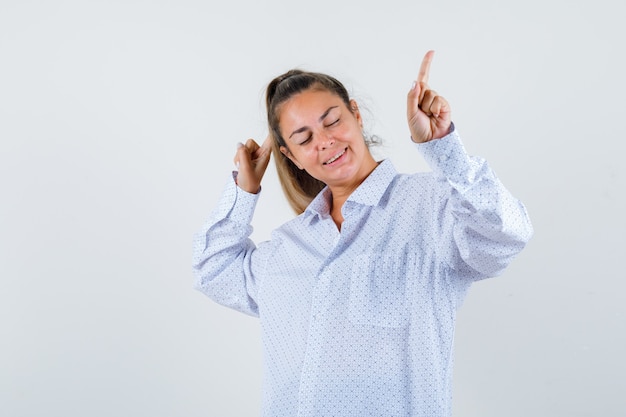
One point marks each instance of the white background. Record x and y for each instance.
(118, 124)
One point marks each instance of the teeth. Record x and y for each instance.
(334, 158)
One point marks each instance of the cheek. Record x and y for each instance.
(307, 155)
(351, 131)
(298, 153)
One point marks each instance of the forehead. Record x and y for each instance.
(309, 104)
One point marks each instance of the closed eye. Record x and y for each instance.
(333, 123)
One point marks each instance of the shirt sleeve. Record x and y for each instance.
(223, 253)
(487, 225)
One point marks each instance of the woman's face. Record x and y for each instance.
(325, 138)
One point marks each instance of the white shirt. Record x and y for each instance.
(361, 322)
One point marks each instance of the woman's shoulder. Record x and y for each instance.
(294, 225)
(416, 191)
(423, 181)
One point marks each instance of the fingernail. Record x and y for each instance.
(413, 85)
(239, 145)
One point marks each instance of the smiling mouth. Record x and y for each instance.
(334, 158)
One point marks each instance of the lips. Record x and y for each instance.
(336, 156)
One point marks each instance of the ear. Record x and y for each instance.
(285, 151)
(354, 107)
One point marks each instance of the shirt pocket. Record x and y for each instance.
(378, 291)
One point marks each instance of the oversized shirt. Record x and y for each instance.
(360, 322)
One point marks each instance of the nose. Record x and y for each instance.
(325, 140)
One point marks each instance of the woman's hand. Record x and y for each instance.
(251, 160)
(428, 114)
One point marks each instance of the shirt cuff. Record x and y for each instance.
(236, 204)
(447, 157)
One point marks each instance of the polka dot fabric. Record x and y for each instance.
(361, 322)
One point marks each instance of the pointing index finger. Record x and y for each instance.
(422, 77)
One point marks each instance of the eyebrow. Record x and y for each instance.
(322, 117)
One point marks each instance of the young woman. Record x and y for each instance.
(357, 295)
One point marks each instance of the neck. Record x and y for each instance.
(341, 193)
(335, 209)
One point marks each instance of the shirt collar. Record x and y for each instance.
(369, 193)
